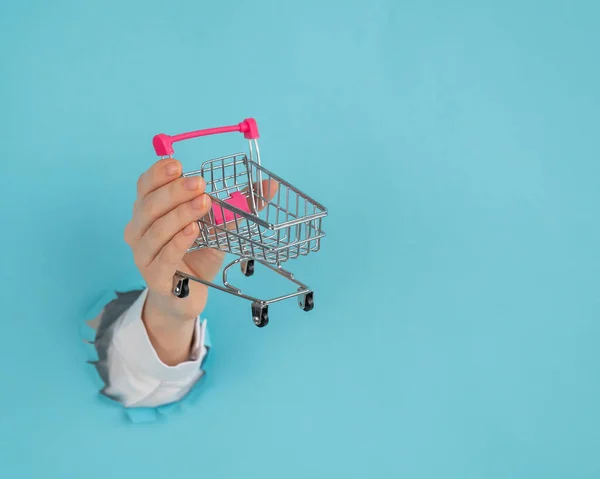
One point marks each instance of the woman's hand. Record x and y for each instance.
(162, 228)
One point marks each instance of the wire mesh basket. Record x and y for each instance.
(280, 223)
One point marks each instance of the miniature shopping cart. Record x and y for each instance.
(256, 215)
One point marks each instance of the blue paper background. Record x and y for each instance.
(455, 144)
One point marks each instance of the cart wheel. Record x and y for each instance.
(182, 288)
(307, 302)
(260, 315)
(248, 267)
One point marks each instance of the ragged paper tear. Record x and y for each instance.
(96, 333)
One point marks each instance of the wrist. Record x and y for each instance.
(166, 311)
(170, 332)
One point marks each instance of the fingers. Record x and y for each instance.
(165, 229)
(165, 199)
(169, 258)
(159, 174)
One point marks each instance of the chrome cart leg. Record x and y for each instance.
(260, 314)
(306, 301)
(182, 287)
(247, 267)
(260, 307)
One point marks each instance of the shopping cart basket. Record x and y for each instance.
(256, 215)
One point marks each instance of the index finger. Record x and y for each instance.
(159, 174)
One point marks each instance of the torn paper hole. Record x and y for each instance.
(96, 334)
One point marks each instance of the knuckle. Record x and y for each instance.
(127, 233)
(149, 206)
(184, 214)
(175, 188)
(176, 247)
(153, 233)
(140, 183)
(171, 250)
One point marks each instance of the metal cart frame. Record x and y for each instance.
(256, 215)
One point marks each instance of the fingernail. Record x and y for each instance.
(172, 168)
(189, 229)
(191, 183)
(199, 203)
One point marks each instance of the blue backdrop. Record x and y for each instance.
(456, 146)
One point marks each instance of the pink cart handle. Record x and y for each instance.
(163, 144)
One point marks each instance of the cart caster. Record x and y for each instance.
(260, 315)
(248, 267)
(307, 301)
(182, 288)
